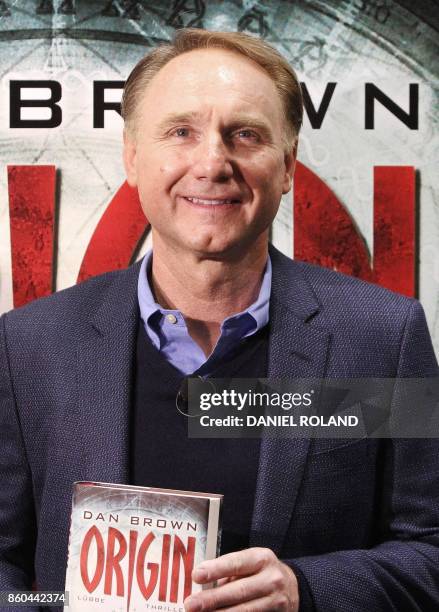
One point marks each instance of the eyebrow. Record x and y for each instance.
(236, 121)
(248, 121)
(175, 118)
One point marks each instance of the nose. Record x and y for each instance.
(212, 160)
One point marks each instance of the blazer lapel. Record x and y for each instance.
(297, 349)
(105, 378)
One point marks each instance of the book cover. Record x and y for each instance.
(134, 548)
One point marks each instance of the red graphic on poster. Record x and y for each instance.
(324, 232)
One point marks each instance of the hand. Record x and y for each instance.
(252, 580)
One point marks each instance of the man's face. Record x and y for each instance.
(208, 154)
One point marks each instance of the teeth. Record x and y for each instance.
(209, 202)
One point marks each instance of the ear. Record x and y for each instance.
(290, 164)
(130, 158)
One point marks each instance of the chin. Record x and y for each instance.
(210, 244)
(208, 247)
(212, 251)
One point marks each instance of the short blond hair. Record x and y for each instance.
(191, 39)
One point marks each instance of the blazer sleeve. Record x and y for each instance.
(402, 571)
(17, 516)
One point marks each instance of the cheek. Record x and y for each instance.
(266, 170)
(158, 175)
(162, 170)
(264, 178)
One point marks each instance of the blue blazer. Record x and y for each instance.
(359, 519)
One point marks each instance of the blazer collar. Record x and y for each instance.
(291, 288)
(298, 348)
(119, 303)
(105, 378)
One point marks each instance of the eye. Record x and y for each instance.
(247, 135)
(181, 132)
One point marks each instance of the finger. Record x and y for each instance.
(230, 594)
(222, 581)
(241, 563)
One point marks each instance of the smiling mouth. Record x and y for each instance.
(211, 201)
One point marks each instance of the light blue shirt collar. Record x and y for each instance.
(168, 332)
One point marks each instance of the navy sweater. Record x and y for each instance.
(162, 455)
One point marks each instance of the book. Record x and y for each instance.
(134, 548)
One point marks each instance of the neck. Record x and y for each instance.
(207, 290)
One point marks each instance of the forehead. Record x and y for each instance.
(209, 79)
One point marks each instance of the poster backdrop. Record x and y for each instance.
(365, 194)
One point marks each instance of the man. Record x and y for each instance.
(89, 376)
